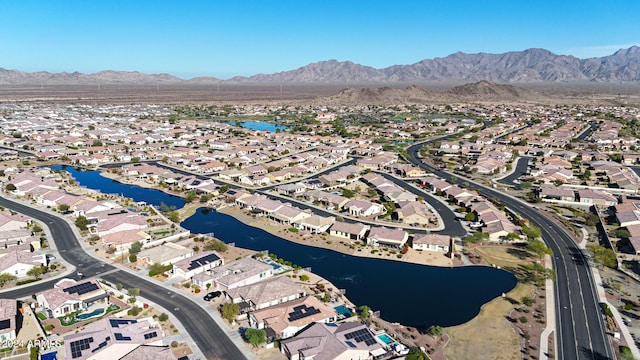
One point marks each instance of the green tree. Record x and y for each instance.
(224, 189)
(97, 143)
(5, 278)
(163, 317)
(348, 193)
(37, 271)
(255, 337)
(476, 237)
(621, 233)
(190, 197)
(590, 219)
(133, 292)
(157, 269)
(215, 245)
(364, 312)
(604, 256)
(532, 232)
(435, 330)
(230, 311)
(63, 208)
(82, 222)
(135, 248)
(10, 187)
(470, 216)
(133, 258)
(304, 277)
(173, 216)
(539, 248)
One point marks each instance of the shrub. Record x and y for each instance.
(48, 327)
(163, 317)
(523, 319)
(134, 311)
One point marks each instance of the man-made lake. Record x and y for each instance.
(93, 180)
(261, 126)
(411, 294)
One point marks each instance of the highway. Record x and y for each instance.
(210, 338)
(580, 329)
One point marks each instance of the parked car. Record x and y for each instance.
(212, 295)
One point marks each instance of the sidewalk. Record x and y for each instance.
(551, 316)
(602, 296)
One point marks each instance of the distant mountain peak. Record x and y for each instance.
(530, 65)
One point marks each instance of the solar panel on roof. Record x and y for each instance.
(150, 335)
(78, 346)
(203, 261)
(117, 322)
(301, 312)
(82, 288)
(121, 337)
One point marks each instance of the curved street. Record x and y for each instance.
(580, 330)
(210, 338)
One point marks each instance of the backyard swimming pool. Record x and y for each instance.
(385, 339)
(343, 310)
(89, 315)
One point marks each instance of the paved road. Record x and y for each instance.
(520, 170)
(210, 338)
(580, 328)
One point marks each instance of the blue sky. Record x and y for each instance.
(225, 38)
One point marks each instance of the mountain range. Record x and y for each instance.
(528, 66)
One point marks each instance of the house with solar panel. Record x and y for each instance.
(321, 341)
(68, 296)
(199, 263)
(284, 320)
(112, 338)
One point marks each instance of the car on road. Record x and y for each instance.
(212, 295)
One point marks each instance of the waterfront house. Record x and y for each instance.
(284, 320)
(288, 214)
(386, 236)
(265, 293)
(315, 224)
(320, 341)
(241, 272)
(196, 264)
(431, 242)
(350, 231)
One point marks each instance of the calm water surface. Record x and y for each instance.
(411, 294)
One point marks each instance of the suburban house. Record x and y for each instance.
(556, 193)
(241, 272)
(284, 320)
(386, 236)
(350, 231)
(68, 296)
(18, 262)
(321, 341)
(8, 315)
(431, 242)
(165, 254)
(315, 224)
(121, 222)
(265, 293)
(363, 208)
(122, 240)
(289, 214)
(196, 264)
(596, 197)
(115, 338)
